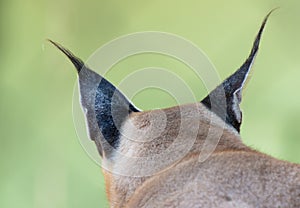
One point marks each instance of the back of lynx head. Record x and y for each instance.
(184, 156)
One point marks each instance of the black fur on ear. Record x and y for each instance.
(105, 107)
(231, 89)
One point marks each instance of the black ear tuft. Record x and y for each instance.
(76, 61)
(105, 107)
(231, 89)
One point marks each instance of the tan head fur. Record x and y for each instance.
(153, 158)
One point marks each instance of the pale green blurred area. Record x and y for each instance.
(42, 162)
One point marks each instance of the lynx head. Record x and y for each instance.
(119, 128)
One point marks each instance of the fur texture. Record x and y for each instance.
(185, 156)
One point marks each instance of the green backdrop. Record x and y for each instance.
(42, 163)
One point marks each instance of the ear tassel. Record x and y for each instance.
(79, 64)
(225, 99)
(238, 79)
(258, 37)
(106, 107)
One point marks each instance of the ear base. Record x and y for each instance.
(111, 110)
(225, 99)
(105, 107)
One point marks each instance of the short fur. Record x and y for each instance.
(153, 158)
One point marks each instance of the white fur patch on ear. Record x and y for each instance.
(236, 107)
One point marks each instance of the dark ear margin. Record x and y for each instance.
(105, 107)
(231, 89)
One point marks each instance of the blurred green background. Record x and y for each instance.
(42, 163)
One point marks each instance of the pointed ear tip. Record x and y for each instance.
(78, 63)
(57, 45)
(274, 9)
(267, 17)
(51, 41)
(271, 12)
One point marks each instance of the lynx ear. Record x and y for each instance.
(105, 107)
(228, 95)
